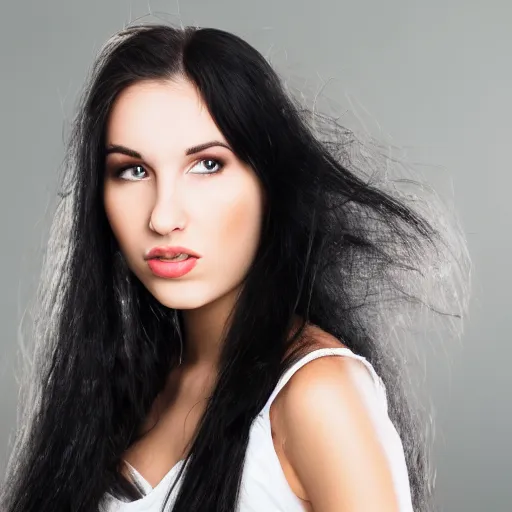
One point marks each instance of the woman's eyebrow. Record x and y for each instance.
(117, 148)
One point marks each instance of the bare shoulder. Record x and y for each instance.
(328, 434)
(331, 374)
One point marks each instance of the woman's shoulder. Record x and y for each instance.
(324, 419)
(312, 367)
(316, 369)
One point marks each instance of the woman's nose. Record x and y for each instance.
(167, 214)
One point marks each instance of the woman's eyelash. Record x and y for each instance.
(218, 161)
(118, 172)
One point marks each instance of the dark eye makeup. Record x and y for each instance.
(218, 162)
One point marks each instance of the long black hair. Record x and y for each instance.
(336, 249)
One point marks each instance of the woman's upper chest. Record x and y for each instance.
(170, 426)
(267, 474)
(265, 484)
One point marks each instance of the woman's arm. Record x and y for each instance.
(330, 437)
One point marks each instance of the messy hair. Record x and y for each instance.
(345, 246)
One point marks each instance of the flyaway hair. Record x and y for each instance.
(349, 244)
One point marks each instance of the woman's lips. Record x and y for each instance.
(169, 252)
(171, 269)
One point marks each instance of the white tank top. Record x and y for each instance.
(264, 487)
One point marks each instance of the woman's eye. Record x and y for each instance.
(210, 165)
(136, 172)
(129, 170)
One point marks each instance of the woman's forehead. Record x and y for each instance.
(160, 116)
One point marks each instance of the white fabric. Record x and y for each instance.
(264, 487)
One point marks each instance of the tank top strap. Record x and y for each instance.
(322, 352)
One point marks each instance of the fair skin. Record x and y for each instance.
(320, 423)
(216, 215)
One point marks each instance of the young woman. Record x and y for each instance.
(208, 254)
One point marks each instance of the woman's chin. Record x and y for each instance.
(180, 299)
(180, 303)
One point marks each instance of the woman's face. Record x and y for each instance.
(165, 196)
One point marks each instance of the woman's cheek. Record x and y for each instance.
(241, 227)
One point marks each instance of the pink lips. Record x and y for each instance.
(171, 269)
(168, 252)
(174, 269)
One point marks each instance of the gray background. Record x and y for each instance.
(436, 75)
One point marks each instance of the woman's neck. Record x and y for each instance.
(203, 331)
